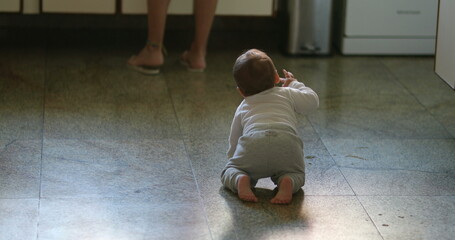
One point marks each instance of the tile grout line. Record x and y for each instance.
(201, 200)
(352, 189)
(346, 180)
(182, 138)
(369, 217)
(331, 156)
(414, 96)
(42, 141)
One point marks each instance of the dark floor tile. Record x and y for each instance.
(409, 66)
(100, 103)
(22, 73)
(397, 182)
(18, 219)
(309, 217)
(375, 116)
(412, 217)
(113, 218)
(323, 177)
(440, 103)
(427, 155)
(154, 169)
(20, 165)
(204, 103)
(418, 77)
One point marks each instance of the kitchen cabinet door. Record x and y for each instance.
(391, 18)
(445, 51)
(10, 5)
(79, 6)
(30, 6)
(225, 7)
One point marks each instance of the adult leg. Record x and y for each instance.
(204, 13)
(152, 54)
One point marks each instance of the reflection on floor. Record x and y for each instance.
(92, 150)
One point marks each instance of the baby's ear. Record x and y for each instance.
(277, 78)
(241, 92)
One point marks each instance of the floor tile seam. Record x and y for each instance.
(20, 139)
(397, 79)
(206, 138)
(335, 163)
(324, 146)
(201, 199)
(176, 137)
(394, 169)
(329, 195)
(405, 196)
(314, 128)
(42, 137)
(342, 174)
(179, 137)
(385, 138)
(373, 195)
(369, 216)
(19, 198)
(125, 198)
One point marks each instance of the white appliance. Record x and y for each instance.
(310, 25)
(445, 52)
(386, 27)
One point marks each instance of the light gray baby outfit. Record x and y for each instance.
(264, 140)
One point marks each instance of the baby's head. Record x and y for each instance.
(254, 72)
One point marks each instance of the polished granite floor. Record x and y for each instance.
(92, 150)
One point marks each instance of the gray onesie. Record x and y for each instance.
(263, 141)
(275, 151)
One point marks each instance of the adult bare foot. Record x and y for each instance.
(284, 195)
(148, 56)
(194, 62)
(244, 189)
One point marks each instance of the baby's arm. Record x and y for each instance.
(236, 133)
(305, 99)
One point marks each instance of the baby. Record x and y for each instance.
(264, 141)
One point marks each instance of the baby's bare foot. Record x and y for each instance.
(284, 195)
(244, 189)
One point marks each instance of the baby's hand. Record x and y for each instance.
(288, 78)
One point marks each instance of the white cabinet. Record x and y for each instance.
(391, 18)
(140, 6)
(10, 5)
(445, 52)
(387, 26)
(79, 6)
(224, 7)
(30, 6)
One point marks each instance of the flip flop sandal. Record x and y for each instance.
(144, 69)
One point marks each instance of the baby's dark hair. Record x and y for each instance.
(254, 72)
